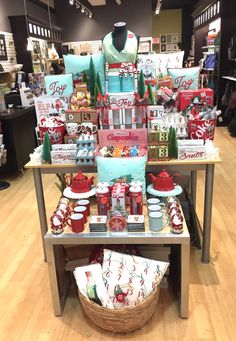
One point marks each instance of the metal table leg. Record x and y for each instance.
(194, 187)
(184, 303)
(41, 205)
(209, 181)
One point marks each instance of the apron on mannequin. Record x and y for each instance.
(115, 60)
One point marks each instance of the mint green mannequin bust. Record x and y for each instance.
(120, 46)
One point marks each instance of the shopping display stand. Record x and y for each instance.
(60, 279)
(172, 165)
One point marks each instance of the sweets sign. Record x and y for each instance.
(59, 85)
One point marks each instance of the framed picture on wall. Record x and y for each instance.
(3, 50)
(169, 38)
(175, 38)
(163, 39)
(163, 48)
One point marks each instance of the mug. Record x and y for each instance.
(153, 201)
(157, 222)
(82, 210)
(155, 208)
(85, 203)
(87, 128)
(72, 128)
(76, 222)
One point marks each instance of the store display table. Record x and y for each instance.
(173, 165)
(60, 279)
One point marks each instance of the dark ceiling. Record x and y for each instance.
(172, 4)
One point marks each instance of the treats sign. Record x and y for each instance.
(59, 85)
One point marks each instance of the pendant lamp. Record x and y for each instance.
(29, 42)
(52, 52)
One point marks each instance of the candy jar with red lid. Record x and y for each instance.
(136, 200)
(103, 200)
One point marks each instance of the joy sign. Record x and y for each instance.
(59, 85)
(185, 79)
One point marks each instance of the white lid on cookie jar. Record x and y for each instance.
(136, 183)
(135, 189)
(103, 184)
(102, 190)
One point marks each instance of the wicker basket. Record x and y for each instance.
(121, 320)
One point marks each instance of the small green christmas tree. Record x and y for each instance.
(84, 77)
(150, 94)
(173, 149)
(96, 93)
(141, 85)
(92, 77)
(99, 83)
(46, 154)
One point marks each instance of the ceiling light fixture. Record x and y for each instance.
(85, 10)
(158, 8)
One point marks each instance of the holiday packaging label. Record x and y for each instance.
(63, 157)
(185, 97)
(73, 116)
(51, 106)
(121, 99)
(117, 137)
(59, 85)
(64, 147)
(191, 152)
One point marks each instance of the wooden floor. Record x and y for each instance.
(25, 301)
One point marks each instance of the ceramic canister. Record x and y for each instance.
(136, 200)
(103, 197)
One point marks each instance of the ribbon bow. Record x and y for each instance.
(127, 69)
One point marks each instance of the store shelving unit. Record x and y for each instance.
(60, 279)
(173, 165)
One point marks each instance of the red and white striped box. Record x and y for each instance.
(118, 197)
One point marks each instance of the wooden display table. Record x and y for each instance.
(60, 279)
(173, 165)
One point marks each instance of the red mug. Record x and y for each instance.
(85, 203)
(76, 222)
(82, 210)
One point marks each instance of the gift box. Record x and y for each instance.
(73, 116)
(89, 115)
(63, 157)
(123, 117)
(185, 97)
(51, 106)
(70, 138)
(118, 201)
(202, 129)
(127, 137)
(191, 152)
(158, 153)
